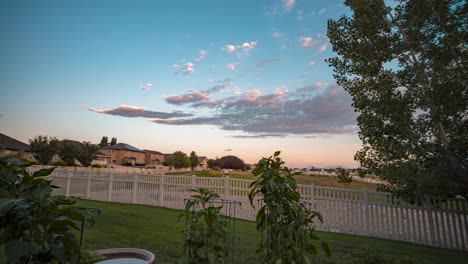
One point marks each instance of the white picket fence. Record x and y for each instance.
(361, 212)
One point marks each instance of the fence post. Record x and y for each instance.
(430, 219)
(312, 195)
(109, 187)
(67, 189)
(134, 188)
(226, 187)
(88, 186)
(194, 182)
(161, 190)
(365, 198)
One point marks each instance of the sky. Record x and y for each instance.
(244, 78)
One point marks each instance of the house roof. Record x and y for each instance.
(9, 143)
(122, 146)
(152, 152)
(202, 158)
(100, 154)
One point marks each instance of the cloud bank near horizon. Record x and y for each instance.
(314, 109)
(136, 111)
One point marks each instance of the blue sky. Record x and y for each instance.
(178, 75)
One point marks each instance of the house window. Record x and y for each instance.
(113, 161)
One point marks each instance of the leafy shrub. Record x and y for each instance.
(287, 226)
(36, 227)
(60, 163)
(205, 230)
(344, 177)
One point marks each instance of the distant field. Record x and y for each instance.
(329, 181)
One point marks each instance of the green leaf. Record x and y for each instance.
(43, 172)
(326, 248)
(16, 249)
(277, 153)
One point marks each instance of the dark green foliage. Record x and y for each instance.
(35, 226)
(405, 67)
(44, 148)
(179, 160)
(69, 151)
(228, 162)
(86, 153)
(344, 177)
(104, 142)
(113, 141)
(193, 160)
(205, 230)
(287, 225)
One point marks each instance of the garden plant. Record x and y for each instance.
(286, 224)
(36, 226)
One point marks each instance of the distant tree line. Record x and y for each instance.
(180, 160)
(44, 148)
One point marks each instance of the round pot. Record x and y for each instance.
(125, 255)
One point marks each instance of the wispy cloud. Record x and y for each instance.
(319, 45)
(190, 97)
(136, 111)
(280, 7)
(276, 34)
(313, 109)
(202, 55)
(146, 86)
(243, 49)
(259, 136)
(231, 66)
(288, 5)
(262, 63)
(185, 69)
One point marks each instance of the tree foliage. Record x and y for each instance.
(113, 141)
(344, 177)
(227, 162)
(287, 225)
(44, 148)
(36, 227)
(104, 142)
(180, 160)
(193, 160)
(405, 67)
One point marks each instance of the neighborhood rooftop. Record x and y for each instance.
(122, 146)
(9, 143)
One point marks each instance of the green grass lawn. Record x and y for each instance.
(157, 230)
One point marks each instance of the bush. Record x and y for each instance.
(35, 226)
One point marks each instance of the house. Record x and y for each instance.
(101, 159)
(153, 157)
(202, 162)
(10, 147)
(124, 154)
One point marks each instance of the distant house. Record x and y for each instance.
(202, 162)
(12, 147)
(153, 157)
(124, 154)
(101, 159)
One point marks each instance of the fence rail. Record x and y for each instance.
(434, 222)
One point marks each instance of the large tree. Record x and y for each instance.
(180, 160)
(193, 160)
(44, 148)
(228, 162)
(104, 142)
(406, 68)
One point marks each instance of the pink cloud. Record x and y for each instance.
(136, 111)
(241, 49)
(307, 42)
(288, 5)
(186, 69)
(190, 97)
(202, 55)
(322, 48)
(231, 66)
